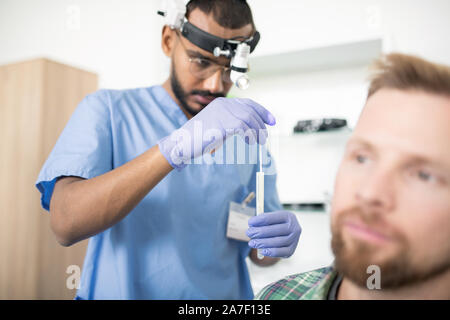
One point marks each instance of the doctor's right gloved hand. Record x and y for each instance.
(222, 118)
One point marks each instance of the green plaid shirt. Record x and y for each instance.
(312, 285)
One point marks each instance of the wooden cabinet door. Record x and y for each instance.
(37, 98)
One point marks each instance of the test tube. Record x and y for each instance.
(260, 193)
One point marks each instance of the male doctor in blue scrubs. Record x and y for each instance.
(156, 232)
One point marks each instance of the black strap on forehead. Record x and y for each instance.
(209, 42)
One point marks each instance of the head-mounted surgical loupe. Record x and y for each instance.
(236, 50)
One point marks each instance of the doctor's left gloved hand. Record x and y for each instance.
(276, 233)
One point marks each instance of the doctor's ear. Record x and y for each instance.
(168, 40)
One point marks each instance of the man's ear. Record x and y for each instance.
(168, 40)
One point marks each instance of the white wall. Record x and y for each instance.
(414, 26)
(119, 40)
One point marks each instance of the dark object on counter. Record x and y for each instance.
(318, 125)
(316, 207)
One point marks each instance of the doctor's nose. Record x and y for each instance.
(214, 83)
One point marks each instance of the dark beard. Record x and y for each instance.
(396, 271)
(181, 95)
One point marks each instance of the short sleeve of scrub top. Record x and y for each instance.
(83, 149)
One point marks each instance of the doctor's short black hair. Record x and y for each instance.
(231, 14)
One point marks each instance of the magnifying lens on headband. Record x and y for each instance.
(238, 51)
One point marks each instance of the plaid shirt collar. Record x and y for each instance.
(320, 290)
(312, 285)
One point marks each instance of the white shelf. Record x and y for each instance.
(357, 53)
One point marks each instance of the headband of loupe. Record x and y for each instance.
(236, 50)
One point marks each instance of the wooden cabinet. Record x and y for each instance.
(37, 98)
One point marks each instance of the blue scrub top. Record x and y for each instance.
(173, 244)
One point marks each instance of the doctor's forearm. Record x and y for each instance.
(81, 208)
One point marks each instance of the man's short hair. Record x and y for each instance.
(231, 14)
(406, 72)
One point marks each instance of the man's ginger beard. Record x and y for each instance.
(396, 270)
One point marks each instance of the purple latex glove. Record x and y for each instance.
(276, 233)
(208, 130)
